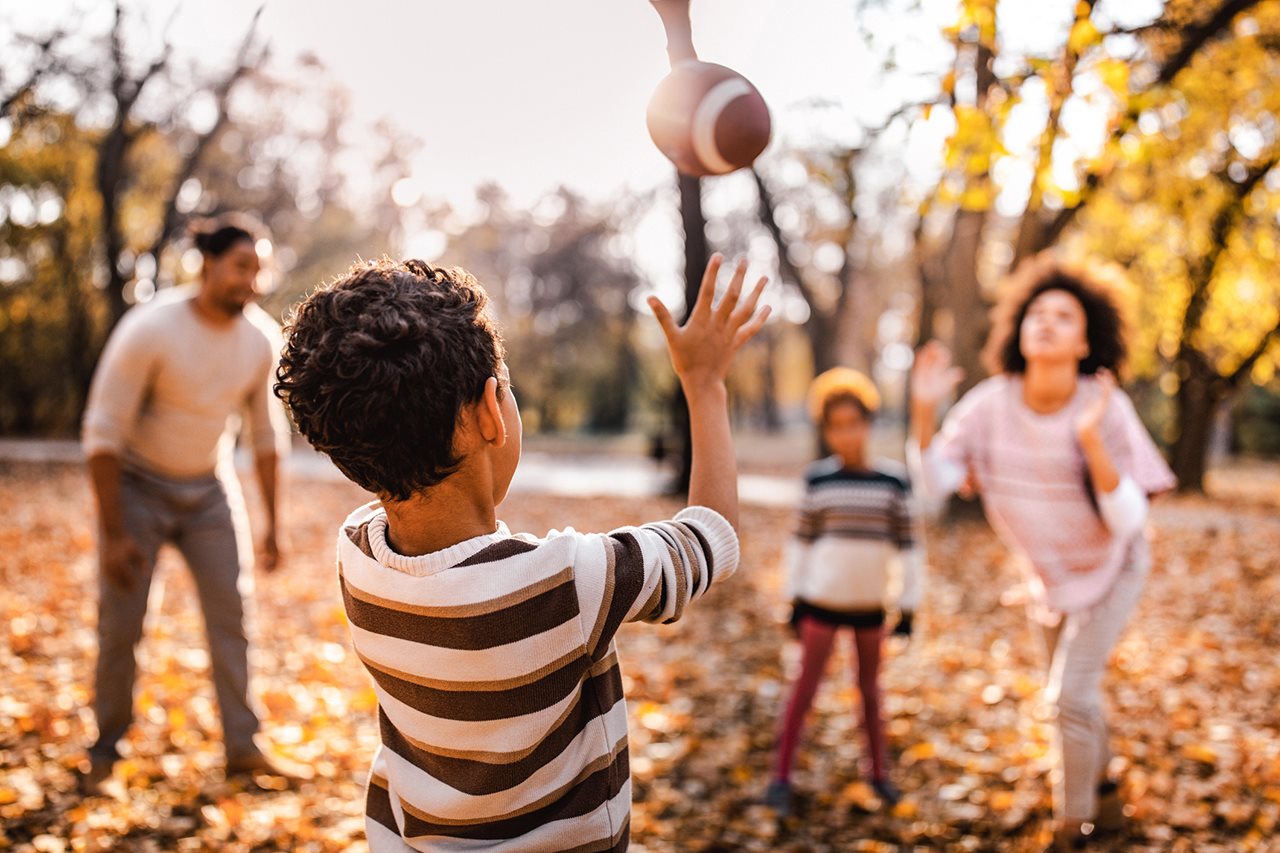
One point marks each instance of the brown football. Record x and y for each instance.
(708, 119)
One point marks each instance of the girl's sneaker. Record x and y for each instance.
(778, 796)
(1111, 816)
(887, 791)
(1067, 840)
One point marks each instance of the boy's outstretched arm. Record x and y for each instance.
(702, 351)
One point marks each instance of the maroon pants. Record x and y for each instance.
(816, 640)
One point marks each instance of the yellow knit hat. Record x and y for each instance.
(839, 381)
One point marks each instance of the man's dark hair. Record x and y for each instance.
(378, 364)
(1094, 287)
(214, 237)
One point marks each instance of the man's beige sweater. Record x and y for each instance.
(170, 386)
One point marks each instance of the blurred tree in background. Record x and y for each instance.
(562, 281)
(52, 316)
(99, 178)
(1149, 142)
(1173, 184)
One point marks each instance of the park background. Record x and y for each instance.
(921, 149)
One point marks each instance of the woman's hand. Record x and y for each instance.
(1089, 421)
(933, 377)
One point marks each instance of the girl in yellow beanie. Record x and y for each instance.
(853, 553)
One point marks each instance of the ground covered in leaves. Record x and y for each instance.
(1193, 690)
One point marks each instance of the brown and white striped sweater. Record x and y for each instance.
(499, 695)
(854, 548)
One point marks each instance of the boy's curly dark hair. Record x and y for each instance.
(1095, 287)
(378, 364)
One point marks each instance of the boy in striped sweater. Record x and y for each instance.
(852, 554)
(492, 654)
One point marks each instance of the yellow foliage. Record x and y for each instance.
(1084, 35)
(1173, 185)
(1114, 74)
(978, 197)
(982, 15)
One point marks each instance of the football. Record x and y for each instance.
(708, 119)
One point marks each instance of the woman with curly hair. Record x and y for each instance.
(1065, 469)
(854, 533)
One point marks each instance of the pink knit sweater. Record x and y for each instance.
(1033, 479)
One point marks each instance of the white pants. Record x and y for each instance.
(1079, 648)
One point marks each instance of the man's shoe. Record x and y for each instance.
(277, 766)
(97, 780)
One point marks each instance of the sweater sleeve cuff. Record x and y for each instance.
(912, 579)
(1124, 508)
(934, 476)
(796, 556)
(721, 538)
(98, 438)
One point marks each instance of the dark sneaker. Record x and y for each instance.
(1111, 817)
(97, 780)
(778, 797)
(887, 791)
(1067, 841)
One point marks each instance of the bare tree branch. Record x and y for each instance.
(118, 141)
(1157, 26)
(1198, 36)
(1060, 86)
(1224, 222)
(113, 150)
(786, 266)
(1194, 40)
(46, 64)
(1242, 370)
(247, 59)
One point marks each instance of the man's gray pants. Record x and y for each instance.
(197, 518)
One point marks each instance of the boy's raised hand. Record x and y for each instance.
(701, 352)
(703, 348)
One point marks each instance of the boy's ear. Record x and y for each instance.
(493, 429)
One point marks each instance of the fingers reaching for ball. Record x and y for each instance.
(703, 348)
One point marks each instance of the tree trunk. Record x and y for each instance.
(964, 299)
(110, 165)
(1196, 401)
(695, 261)
(956, 287)
(1033, 237)
(931, 290)
(821, 333)
(610, 405)
(769, 415)
(822, 328)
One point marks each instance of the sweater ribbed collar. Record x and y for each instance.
(426, 564)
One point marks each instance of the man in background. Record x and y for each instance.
(159, 429)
